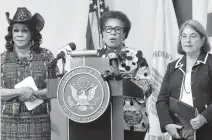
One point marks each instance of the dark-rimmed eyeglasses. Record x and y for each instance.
(117, 29)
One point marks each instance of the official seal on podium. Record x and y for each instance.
(83, 95)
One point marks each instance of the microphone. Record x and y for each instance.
(69, 48)
(63, 51)
(54, 61)
(113, 61)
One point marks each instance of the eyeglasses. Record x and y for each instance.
(184, 37)
(117, 29)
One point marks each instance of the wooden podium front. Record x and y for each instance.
(110, 125)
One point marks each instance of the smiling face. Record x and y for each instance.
(191, 41)
(21, 35)
(113, 33)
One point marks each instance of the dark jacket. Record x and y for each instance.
(201, 86)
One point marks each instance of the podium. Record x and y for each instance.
(110, 125)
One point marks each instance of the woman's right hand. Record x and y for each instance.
(26, 94)
(172, 130)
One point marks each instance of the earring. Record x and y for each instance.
(11, 42)
(104, 44)
(121, 45)
(202, 49)
(32, 42)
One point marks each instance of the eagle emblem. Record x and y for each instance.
(82, 95)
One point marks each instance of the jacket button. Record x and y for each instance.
(191, 83)
(194, 98)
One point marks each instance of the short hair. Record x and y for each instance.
(115, 15)
(36, 37)
(195, 25)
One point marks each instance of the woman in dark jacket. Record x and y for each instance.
(189, 80)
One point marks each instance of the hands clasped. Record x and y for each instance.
(197, 122)
(172, 130)
(26, 94)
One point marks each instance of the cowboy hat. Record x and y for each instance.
(23, 15)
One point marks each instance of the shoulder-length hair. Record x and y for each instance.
(35, 36)
(195, 25)
(115, 15)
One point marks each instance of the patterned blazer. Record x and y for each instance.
(134, 64)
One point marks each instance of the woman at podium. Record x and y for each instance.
(115, 27)
(185, 100)
(25, 110)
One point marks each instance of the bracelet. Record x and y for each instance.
(204, 119)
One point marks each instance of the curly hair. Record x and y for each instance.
(195, 25)
(36, 37)
(115, 15)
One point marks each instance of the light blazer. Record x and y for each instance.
(201, 86)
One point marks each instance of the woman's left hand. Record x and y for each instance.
(26, 94)
(197, 122)
(23, 99)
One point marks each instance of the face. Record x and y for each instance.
(113, 33)
(191, 41)
(21, 35)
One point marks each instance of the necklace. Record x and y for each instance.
(184, 83)
(23, 65)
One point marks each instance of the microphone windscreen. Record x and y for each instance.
(72, 46)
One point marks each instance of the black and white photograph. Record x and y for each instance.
(106, 69)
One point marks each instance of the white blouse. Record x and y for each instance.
(186, 93)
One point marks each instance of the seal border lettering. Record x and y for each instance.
(104, 86)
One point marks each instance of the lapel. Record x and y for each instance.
(181, 63)
(201, 59)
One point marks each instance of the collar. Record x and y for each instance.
(181, 63)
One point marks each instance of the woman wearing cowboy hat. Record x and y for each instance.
(25, 58)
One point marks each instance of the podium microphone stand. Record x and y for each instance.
(63, 63)
(63, 68)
